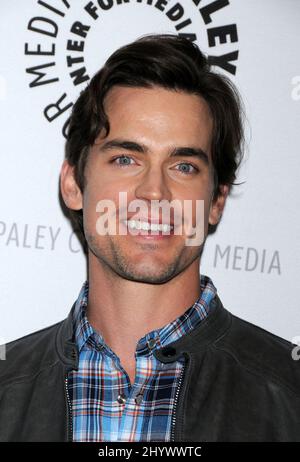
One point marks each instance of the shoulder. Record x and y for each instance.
(261, 352)
(28, 355)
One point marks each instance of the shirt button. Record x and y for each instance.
(121, 398)
(151, 343)
(139, 399)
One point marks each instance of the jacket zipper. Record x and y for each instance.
(173, 423)
(177, 421)
(69, 412)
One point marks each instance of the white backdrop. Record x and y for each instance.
(253, 258)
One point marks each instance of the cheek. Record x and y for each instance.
(201, 209)
(100, 206)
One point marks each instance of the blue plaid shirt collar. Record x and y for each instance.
(87, 337)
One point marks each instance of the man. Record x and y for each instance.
(148, 352)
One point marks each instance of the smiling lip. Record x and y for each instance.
(157, 235)
(150, 220)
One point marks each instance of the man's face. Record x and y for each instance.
(160, 120)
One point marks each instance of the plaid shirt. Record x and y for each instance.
(105, 406)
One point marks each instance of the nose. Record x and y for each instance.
(153, 185)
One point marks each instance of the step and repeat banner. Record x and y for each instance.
(49, 51)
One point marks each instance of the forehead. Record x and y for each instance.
(157, 102)
(158, 113)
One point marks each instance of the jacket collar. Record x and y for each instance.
(65, 342)
(208, 331)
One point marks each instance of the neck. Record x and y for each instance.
(124, 311)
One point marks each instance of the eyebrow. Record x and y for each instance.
(184, 151)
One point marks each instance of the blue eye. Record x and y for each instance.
(122, 157)
(121, 164)
(186, 171)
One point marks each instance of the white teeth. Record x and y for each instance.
(137, 224)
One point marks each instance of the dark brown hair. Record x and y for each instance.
(172, 62)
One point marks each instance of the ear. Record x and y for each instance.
(70, 191)
(217, 205)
